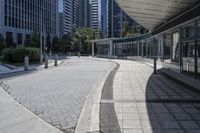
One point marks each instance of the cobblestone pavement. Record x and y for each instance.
(148, 103)
(57, 95)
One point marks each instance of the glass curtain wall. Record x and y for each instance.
(167, 48)
(188, 43)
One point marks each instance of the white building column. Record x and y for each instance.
(92, 49)
(138, 48)
(111, 47)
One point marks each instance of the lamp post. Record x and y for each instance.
(41, 54)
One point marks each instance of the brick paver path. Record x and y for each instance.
(57, 95)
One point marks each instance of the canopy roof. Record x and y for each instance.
(151, 13)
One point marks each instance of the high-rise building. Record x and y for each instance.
(70, 15)
(99, 16)
(116, 19)
(19, 18)
(95, 15)
(84, 13)
(61, 18)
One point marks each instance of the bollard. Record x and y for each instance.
(155, 66)
(56, 60)
(46, 61)
(78, 54)
(26, 63)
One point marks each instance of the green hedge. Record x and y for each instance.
(17, 55)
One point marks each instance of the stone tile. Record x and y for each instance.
(170, 125)
(132, 124)
(189, 125)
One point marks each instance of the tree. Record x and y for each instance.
(127, 30)
(83, 36)
(55, 43)
(9, 41)
(48, 43)
(27, 41)
(1, 43)
(35, 40)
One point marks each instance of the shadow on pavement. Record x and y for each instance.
(171, 108)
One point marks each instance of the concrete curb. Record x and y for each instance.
(89, 120)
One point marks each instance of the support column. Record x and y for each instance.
(196, 51)
(92, 49)
(142, 49)
(138, 48)
(111, 50)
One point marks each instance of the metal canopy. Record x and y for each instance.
(151, 13)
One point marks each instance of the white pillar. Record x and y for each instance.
(138, 48)
(92, 49)
(111, 50)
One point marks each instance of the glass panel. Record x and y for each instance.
(188, 31)
(175, 48)
(167, 47)
(188, 56)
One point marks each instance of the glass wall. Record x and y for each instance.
(189, 56)
(175, 47)
(167, 48)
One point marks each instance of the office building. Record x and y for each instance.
(19, 18)
(116, 20)
(84, 13)
(70, 15)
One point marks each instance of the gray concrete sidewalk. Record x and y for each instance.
(14, 118)
(138, 101)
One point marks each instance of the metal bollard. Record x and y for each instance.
(46, 61)
(26, 63)
(155, 66)
(56, 60)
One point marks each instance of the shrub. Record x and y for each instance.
(7, 54)
(17, 55)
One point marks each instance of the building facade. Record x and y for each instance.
(70, 15)
(116, 20)
(84, 13)
(95, 15)
(19, 18)
(176, 44)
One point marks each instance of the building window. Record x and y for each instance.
(19, 39)
(167, 47)
(175, 47)
(188, 31)
(188, 56)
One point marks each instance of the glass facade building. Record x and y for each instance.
(116, 19)
(176, 44)
(70, 15)
(19, 18)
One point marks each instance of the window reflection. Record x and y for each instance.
(188, 56)
(167, 47)
(175, 48)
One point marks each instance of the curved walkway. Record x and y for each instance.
(57, 95)
(147, 103)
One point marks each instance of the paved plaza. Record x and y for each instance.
(137, 101)
(131, 99)
(57, 95)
